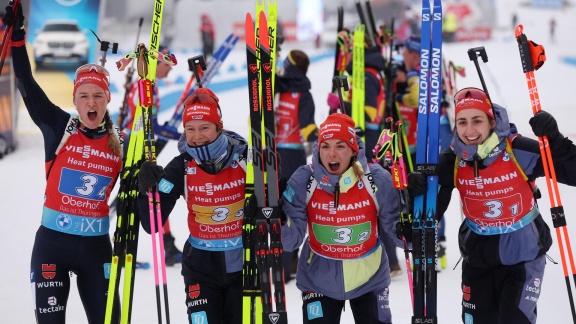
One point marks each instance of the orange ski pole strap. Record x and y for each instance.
(532, 55)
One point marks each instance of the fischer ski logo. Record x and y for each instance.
(156, 24)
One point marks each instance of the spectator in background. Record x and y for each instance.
(552, 30)
(295, 126)
(449, 27)
(207, 35)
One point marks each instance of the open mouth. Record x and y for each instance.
(92, 115)
(334, 166)
(473, 139)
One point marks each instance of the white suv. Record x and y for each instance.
(61, 41)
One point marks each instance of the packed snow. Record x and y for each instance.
(22, 174)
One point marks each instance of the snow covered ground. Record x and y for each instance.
(22, 196)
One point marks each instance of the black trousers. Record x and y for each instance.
(212, 295)
(501, 295)
(54, 257)
(370, 308)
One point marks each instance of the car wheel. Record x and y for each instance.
(38, 65)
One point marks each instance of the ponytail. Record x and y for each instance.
(113, 140)
(358, 172)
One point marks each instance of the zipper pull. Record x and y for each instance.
(336, 194)
(476, 171)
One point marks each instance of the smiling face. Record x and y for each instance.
(335, 155)
(91, 102)
(200, 132)
(473, 126)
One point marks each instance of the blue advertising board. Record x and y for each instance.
(59, 31)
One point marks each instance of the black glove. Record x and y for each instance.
(148, 176)
(17, 22)
(544, 124)
(250, 208)
(359, 131)
(404, 229)
(417, 184)
(401, 87)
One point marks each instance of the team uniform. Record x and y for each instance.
(335, 266)
(212, 255)
(503, 240)
(73, 237)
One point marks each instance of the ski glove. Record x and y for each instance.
(149, 175)
(17, 22)
(544, 124)
(417, 184)
(404, 230)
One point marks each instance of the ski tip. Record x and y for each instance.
(249, 29)
(262, 20)
(519, 30)
(263, 31)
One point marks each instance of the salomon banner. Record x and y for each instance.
(59, 31)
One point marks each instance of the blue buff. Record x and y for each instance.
(209, 151)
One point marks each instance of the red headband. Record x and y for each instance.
(92, 77)
(339, 126)
(203, 105)
(473, 98)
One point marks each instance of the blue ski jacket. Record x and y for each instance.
(528, 242)
(338, 279)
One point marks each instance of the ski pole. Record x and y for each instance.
(146, 101)
(338, 83)
(363, 21)
(404, 181)
(372, 21)
(338, 56)
(6, 38)
(197, 65)
(194, 76)
(533, 57)
(473, 54)
(104, 47)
